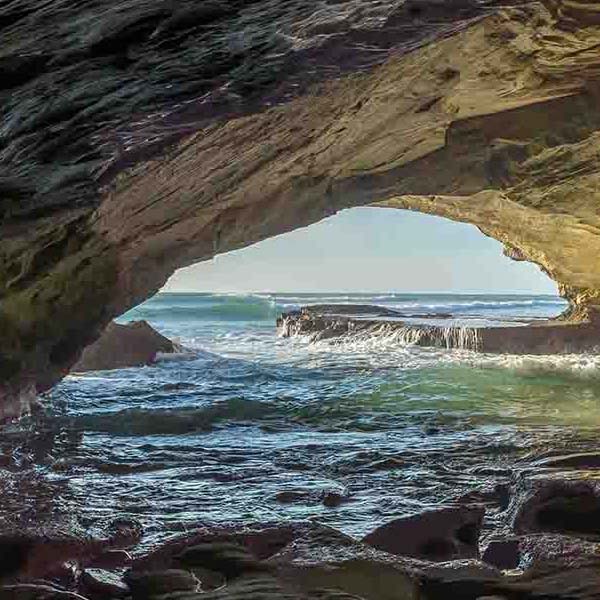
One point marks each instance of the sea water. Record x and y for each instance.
(248, 426)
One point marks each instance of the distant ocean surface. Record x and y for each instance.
(248, 426)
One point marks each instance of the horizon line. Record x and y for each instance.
(365, 292)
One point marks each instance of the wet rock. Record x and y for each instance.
(547, 552)
(385, 464)
(581, 460)
(133, 345)
(557, 506)
(329, 498)
(333, 499)
(497, 497)
(46, 554)
(503, 554)
(464, 579)
(261, 541)
(561, 582)
(66, 575)
(539, 337)
(14, 554)
(436, 535)
(231, 560)
(100, 584)
(124, 533)
(34, 591)
(293, 496)
(146, 585)
(323, 558)
(111, 559)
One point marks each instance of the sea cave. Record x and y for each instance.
(140, 138)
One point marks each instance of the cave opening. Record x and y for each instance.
(369, 249)
(238, 423)
(439, 282)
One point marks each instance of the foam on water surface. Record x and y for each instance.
(215, 434)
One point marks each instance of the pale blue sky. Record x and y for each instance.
(368, 249)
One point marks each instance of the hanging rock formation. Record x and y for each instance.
(138, 137)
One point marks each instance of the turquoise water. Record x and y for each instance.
(249, 426)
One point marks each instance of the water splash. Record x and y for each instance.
(451, 337)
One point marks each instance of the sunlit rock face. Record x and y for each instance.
(139, 137)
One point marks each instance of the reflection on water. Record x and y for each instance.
(219, 438)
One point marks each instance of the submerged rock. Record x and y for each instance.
(120, 346)
(435, 535)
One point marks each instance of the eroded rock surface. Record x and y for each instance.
(442, 534)
(539, 337)
(141, 137)
(307, 561)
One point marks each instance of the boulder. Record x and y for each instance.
(230, 560)
(101, 584)
(132, 345)
(503, 554)
(438, 535)
(557, 505)
(147, 585)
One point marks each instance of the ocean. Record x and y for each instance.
(248, 426)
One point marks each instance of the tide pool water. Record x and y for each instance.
(248, 426)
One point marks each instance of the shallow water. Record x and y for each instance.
(219, 434)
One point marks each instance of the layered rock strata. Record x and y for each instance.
(142, 137)
(539, 337)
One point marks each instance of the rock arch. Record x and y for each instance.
(492, 120)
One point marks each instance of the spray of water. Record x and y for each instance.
(452, 337)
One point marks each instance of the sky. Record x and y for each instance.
(368, 250)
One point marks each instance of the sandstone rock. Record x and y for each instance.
(323, 558)
(111, 559)
(128, 173)
(260, 540)
(436, 535)
(101, 584)
(503, 554)
(45, 554)
(580, 460)
(133, 345)
(32, 591)
(231, 560)
(549, 552)
(540, 337)
(148, 585)
(555, 505)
